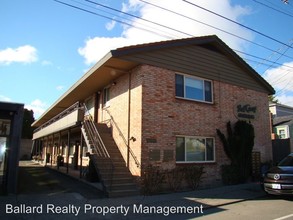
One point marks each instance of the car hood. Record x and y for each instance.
(281, 169)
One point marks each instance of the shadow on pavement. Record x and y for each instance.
(36, 179)
(50, 191)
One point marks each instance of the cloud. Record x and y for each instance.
(110, 25)
(96, 47)
(46, 63)
(281, 78)
(4, 98)
(38, 107)
(23, 54)
(286, 99)
(59, 88)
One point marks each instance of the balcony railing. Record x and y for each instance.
(67, 118)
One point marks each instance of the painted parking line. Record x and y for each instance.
(284, 217)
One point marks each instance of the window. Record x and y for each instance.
(193, 88)
(106, 96)
(282, 133)
(195, 149)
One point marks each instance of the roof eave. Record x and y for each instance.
(100, 63)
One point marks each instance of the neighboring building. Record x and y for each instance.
(282, 137)
(283, 126)
(11, 117)
(279, 110)
(163, 102)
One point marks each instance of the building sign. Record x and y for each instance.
(245, 111)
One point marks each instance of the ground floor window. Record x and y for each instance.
(195, 149)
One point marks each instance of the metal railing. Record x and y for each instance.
(99, 148)
(63, 114)
(94, 136)
(114, 124)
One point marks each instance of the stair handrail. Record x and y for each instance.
(113, 122)
(99, 145)
(101, 149)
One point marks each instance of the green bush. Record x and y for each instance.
(238, 145)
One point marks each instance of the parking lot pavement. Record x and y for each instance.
(36, 179)
(66, 198)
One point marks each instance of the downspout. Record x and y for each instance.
(128, 126)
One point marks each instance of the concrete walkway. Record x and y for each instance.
(68, 205)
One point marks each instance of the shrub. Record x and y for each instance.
(152, 180)
(175, 177)
(238, 147)
(193, 175)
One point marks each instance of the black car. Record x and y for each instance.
(279, 179)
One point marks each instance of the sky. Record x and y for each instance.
(46, 46)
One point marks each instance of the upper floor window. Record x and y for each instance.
(193, 88)
(106, 96)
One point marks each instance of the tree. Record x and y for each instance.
(273, 98)
(27, 129)
(238, 147)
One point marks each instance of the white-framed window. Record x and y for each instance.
(193, 88)
(106, 96)
(283, 132)
(191, 149)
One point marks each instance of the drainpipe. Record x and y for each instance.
(128, 126)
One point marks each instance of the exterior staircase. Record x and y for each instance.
(115, 177)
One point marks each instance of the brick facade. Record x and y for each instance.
(156, 117)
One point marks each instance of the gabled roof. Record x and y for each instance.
(163, 54)
(283, 120)
(211, 42)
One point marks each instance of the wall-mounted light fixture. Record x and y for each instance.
(132, 139)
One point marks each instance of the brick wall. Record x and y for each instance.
(157, 117)
(125, 107)
(165, 116)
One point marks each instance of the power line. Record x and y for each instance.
(152, 22)
(282, 53)
(260, 58)
(160, 25)
(166, 27)
(275, 9)
(106, 17)
(211, 26)
(235, 22)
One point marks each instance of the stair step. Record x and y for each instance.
(103, 129)
(123, 186)
(118, 180)
(116, 169)
(123, 193)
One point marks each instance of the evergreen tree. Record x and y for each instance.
(238, 147)
(27, 129)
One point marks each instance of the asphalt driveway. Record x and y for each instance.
(36, 179)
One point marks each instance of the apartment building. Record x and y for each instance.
(156, 104)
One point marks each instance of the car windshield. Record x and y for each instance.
(287, 161)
